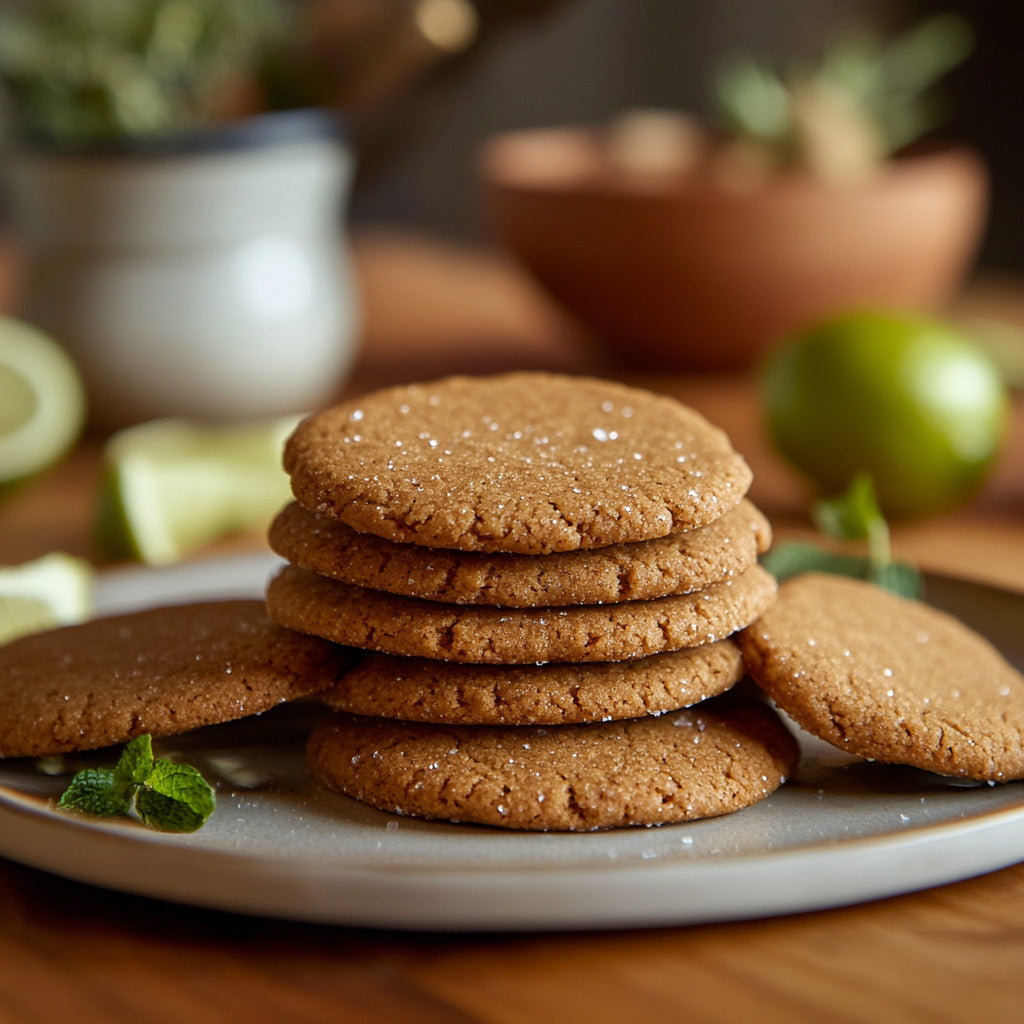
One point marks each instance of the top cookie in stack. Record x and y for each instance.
(527, 463)
(499, 531)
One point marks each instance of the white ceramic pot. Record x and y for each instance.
(205, 277)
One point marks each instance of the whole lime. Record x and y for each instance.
(908, 399)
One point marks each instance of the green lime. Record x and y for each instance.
(54, 590)
(173, 485)
(42, 401)
(909, 400)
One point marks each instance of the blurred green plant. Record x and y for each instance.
(852, 516)
(80, 72)
(865, 99)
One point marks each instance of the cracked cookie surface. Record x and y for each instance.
(701, 762)
(527, 463)
(890, 679)
(161, 671)
(372, 620)
(425, 690)
(679, 563)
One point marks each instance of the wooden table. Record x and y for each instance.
(70, 952)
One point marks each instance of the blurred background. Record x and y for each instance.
(584, 61)
(424, 108)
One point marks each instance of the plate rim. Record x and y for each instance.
(436, 898)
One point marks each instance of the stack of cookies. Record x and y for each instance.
(546, 574)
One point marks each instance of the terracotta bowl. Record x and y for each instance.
(685, 271)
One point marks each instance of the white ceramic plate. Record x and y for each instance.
(839, 832)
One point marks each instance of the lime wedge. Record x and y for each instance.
(174, 485)
(54, 590)
(42, 401)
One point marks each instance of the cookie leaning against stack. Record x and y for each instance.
(889, 679)
(163, 671)
(542, 567)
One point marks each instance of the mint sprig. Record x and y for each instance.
(853, 516)
(160, 793)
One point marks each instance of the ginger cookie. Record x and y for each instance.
(679, 563)
(709, 760)
(374, 620)
(528, 463)
(425, 690)
(889, 679)
(162, 671)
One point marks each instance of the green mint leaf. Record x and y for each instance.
(168, 796)
(796, 557)
(855, 515)
(900, 578)
(165, 813)
(95, 791)
(136, 761)
(849, 516)
(175, 798)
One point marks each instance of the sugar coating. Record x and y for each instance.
(527, 463)
(425, 690)
(679, 563)
(161, 671)
(890, 679)
(700, 762)
(373, 620)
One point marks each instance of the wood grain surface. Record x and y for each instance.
(69, 952)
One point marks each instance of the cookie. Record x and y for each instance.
(162, 671)
(373, 620)
(679, 563)
(697, 763)
(424, 690)
(889, 679)
(528, 463)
